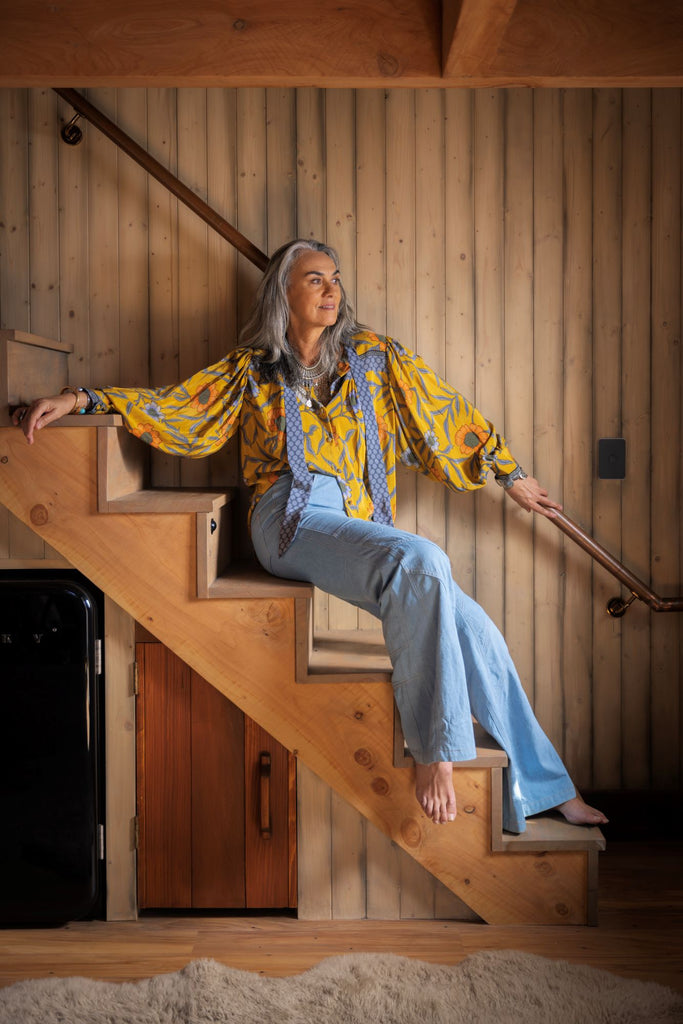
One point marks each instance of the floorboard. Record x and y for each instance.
(639, 934)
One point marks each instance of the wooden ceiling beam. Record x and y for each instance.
(473, 31)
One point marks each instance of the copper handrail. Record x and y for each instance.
(616, 606)
(163, 175)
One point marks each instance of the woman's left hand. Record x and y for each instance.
(529, 494)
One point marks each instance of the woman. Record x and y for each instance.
(325, 409)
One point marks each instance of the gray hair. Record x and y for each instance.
(266, 328)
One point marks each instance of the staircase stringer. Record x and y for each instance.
(146, 564)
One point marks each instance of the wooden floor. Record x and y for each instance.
(639, 935)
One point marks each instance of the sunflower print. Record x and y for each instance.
(423, 422)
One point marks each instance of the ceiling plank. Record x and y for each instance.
(473, 31)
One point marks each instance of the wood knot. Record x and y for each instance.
(470, 809)
(562, 909)
(358, 715)
(363, 757)
(411, 833)
(39, 515)
(4, 460)
(239, 25)
(543, 867)
(380, 786)
(388, 65)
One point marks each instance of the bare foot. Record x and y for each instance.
(577, 812)
(434, 791)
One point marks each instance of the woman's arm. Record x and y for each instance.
(529, 494)
(46, 410)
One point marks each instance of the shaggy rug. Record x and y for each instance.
(487, 988)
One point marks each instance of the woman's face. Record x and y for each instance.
(313, 292)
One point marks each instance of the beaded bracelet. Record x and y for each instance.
(72, 390)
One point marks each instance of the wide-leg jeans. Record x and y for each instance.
(449, 660)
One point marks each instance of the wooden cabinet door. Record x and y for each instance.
(216, 796)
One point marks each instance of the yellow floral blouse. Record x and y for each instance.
(423, 422)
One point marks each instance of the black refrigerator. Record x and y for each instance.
(51, 748)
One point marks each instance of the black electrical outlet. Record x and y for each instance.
(611, 458)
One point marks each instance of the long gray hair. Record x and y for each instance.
(266, 327)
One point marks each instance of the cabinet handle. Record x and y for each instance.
(264, 795)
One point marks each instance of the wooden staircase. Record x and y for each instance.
(166, 558)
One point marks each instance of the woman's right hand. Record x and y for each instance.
(41, 412)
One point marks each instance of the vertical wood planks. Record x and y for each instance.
(518, 300)
(459, 308)
(606, 423)
(636, 426)
(666, 429)
(490, 364)
(133, 244)
(548, 397)
(577, 461)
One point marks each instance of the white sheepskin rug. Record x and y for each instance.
(487, 988)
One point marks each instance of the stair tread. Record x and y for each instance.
(550, 831)
(162, 500)
(352, 650)
(247, 579)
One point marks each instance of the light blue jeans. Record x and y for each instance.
(449, 660)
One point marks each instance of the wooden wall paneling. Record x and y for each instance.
(267, 859)
(164, 366)
(251, 189)
(103, 246)
(43, 220)
(383, 873)
(310, 163)
(430, 278)
(164, 795)
(340, 181)
(119, 718)
(14, 277)
(548, 387)
(489, 108)
(518, 306)
(131, 114)
(460, 325)
(281, 177)
(74, 283)
(222, 325)
(314, 846)
(348, 861)
(578, 458)
(193, 266)
(218, 798)
(14, 259)
(636, 421)
(35, 196)
(606, 423)
(400, 262)
(666, 429)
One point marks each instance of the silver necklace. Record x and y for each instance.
(309, 373)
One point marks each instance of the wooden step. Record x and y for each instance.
(336, 657)
(550, 831)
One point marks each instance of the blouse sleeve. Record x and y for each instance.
(440, 431)
(194, 418)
